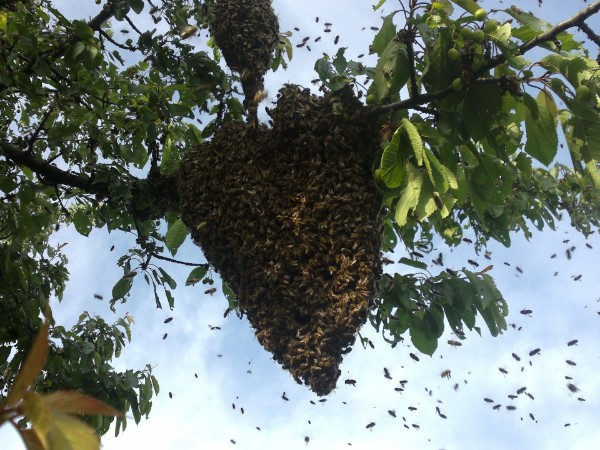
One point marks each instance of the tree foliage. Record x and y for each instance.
(96, 123)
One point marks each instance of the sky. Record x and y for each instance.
(234, 370)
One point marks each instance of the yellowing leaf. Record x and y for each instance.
(37, 413)
(78, 403)
(410, 195)
(32, 439)
(34, 363)
(70, 433)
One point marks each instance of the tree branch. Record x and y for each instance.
(576, 21)
(49, 172)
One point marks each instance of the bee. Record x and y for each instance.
(336, 40)
(370, 425)
(210, 291)
(568, 252)
(98, 297)
(168, 320)
(534, 352)
(391, 412)
(446, 374)
(283, 396)
(488, 400)
(112, 248)
(165, 336)
(573, 342)
(497, 407)
(412, 408)
(196, 375)
(386, 373)
(170, 395)
(521, 390)
(233, 405)
(414, 357)
(306, 440)
(317, 19)
(526, 312)
(581, 399)
(571, 363)
(259, 97)
(454, 343)
(374, 28)
(572, 387)
(188, 32)
(317, 39)
(553, 256)
(242, 410)
(511, 407)
(328, 24)
(512, 396)
(514, 355)
(232, 441)
(519, 269)
(361, 55)
(473, 263)
(350, 381)
(530, 396)
(327, 30)
(588, 245)
(577, 278)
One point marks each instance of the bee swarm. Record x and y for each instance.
(289, 216)
(247, 33)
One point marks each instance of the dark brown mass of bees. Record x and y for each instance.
(247, 33)
(290, 218)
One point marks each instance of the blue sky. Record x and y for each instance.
(201, 415)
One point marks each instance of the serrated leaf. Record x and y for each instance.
(415, 140)
(82, 222)
(78, 403)
(422, 339)
(385, 34)
(413, 263)
(122, 288)
(541, 120)
(175, 236)
(483, 103)
(196, 275)
(339, 61)
(410, 195)
(70, 433)
(436, 172)
(391, 72)
(34, 363)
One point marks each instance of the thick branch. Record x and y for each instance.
(49, 172)
(576, 21)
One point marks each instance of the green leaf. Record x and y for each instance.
(385, 34)
(413, 263)
(82, 222)
(166, 278)
(339, 61)
(122, 288)
(137, 5)
(378, 5)
(391, 72)
(196, 275)
(175, 236)
(410, 195)
(415, 140)
(423, 337)
(483, 103)
(393, 160)
(541, 119)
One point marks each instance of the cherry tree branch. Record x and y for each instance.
(417, 100)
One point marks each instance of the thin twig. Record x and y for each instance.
(176, 261)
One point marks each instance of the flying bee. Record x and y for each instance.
(573, 342)
(188, 32)
(210, 291)
(165, 336)
(414, 357)
(386, 373)
(519, 269)
(488, 400)
(350, 381)
(572, 387)
(526, 312)
(521, 390)
(167, 320)
(535, 352)
(336, 40)
(391, 412)
(511, 407)
(259, 96)
(571, 363)
(454, 343)
(446, 374)
(370, 425)
(98, 297)
(497, 407)
(306, 440)
(283, 396)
